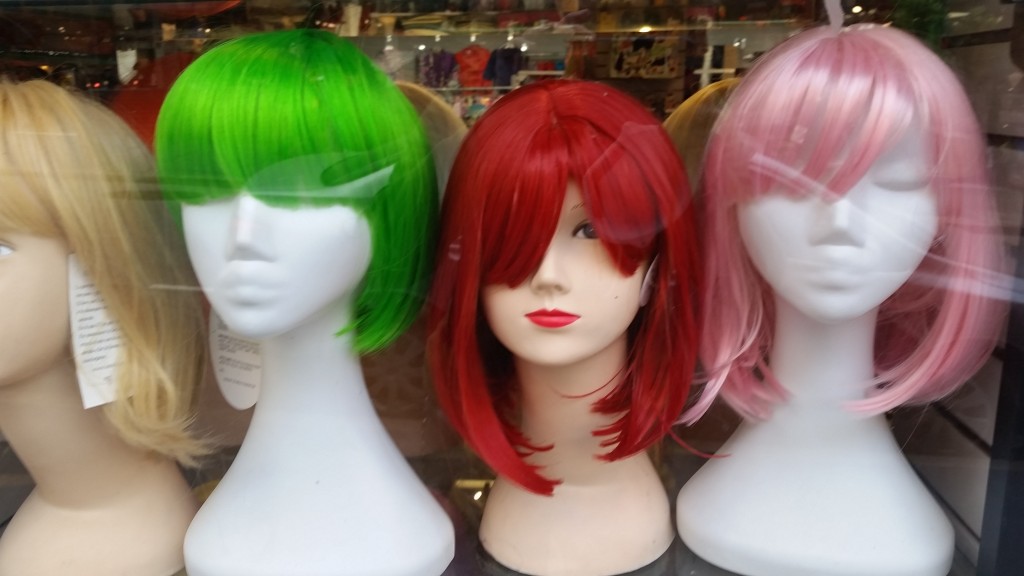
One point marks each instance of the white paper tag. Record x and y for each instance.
(95, 339)
(237, 364)
(126, 60)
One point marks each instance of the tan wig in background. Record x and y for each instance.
(689, 126)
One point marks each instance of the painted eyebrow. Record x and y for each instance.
(576, 207)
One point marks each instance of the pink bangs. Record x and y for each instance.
(815, 118)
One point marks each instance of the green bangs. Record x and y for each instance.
(285, 116)
(302, 118)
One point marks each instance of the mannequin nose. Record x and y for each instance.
(841, 222)
(550, 275)
(250, 238)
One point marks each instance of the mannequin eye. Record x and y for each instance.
(902, 184)
(5, 250)
(899, 176)
(584, 230)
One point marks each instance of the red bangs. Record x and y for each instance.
(627, 223)
(526, 205)
(523, 207)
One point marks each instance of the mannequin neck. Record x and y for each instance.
(316, 443)
(606, 517)
(557, 409)
(311, 363)
(74, 455)
(822, 365)
(312, 382)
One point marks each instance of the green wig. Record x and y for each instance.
(302, 118)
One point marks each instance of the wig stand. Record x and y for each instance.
(100, 507)
(604, 517)
(816, 490)
(616, 525)
(318, 488)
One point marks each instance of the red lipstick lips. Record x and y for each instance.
(551, 318)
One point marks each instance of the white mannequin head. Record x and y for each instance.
(837, 257)
(265, 269)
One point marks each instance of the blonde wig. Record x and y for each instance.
(71, 169)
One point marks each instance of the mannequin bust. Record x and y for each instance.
(109, 498)
(559, 351)
(310, 231)
(851, 265)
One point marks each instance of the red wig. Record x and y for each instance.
(502, 205)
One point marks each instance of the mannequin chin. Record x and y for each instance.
(850, 270)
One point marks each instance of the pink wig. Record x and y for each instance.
(501, 209)
(817, 113)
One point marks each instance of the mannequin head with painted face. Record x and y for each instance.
(847, 176)
(560, 199)
(329, 155)
(77, 180)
